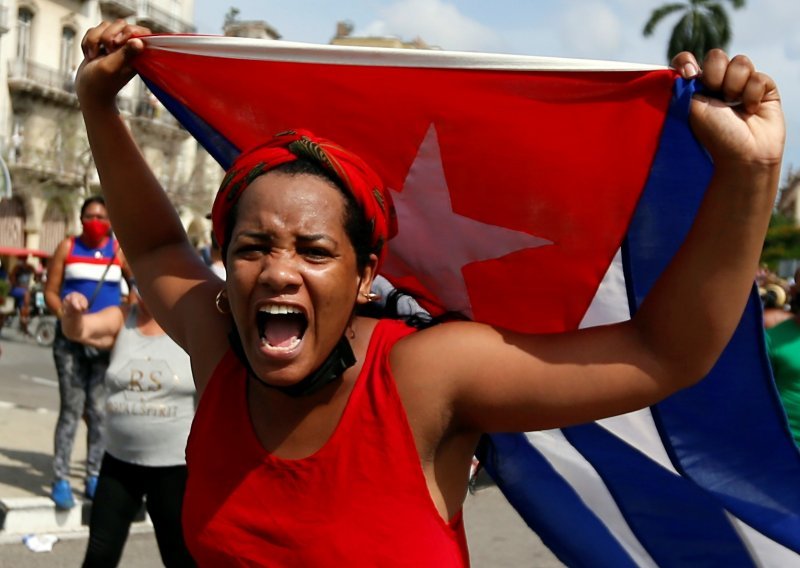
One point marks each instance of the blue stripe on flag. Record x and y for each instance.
(678, 523)
(741, 452)
(215, 144)
(550, 506)
(728, 433)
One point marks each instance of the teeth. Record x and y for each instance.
(279, 310)
(295, 342)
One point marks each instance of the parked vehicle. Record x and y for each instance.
(41, 323)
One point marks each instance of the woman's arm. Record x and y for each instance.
(495, 380)
(55, 277)
(178, 287)
(99, 329)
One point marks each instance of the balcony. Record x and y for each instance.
(53, 164)
(147, 116)
(37, 80)
(160, 20)
(118, 8)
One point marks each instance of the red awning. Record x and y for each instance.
(24, 252)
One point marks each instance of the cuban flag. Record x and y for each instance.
(540, 195)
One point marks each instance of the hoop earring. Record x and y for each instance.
(221, 302)
(371, 297)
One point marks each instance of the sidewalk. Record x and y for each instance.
(26, 462)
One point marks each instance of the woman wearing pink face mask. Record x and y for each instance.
(93, 265)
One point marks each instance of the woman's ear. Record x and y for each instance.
(365, 280)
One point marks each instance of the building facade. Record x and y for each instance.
(345, 36)
(789, 200)
(42, 139)
(46, 163)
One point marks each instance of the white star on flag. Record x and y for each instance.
(434, 242)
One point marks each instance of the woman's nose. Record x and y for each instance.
(280, 272)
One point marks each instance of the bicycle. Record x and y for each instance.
(41, 324)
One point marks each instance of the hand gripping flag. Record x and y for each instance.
(540, 195)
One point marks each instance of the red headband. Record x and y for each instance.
(353, 173)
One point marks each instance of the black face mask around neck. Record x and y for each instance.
(333, 367)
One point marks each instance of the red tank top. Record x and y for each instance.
(361, 500)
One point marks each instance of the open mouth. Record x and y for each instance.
(281, 327)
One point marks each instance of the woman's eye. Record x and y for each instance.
(249, 250)
(315, 253)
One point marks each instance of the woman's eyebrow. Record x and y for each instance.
(317, 237)
(260, 235)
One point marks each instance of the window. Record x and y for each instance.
(24, 24)
(67, 50)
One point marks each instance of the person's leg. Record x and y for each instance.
(116, 502)
(69, 367)
(25, 312)
(18, 293)
(165, 489)
(95, 412)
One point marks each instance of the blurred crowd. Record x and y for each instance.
(780, 297)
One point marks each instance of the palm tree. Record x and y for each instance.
(704, 25)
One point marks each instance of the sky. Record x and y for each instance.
(765, 30)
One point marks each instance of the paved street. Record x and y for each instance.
(28, 376)
(28, 410)
(497, 538)
(140, 552)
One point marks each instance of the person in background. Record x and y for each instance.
(151, 400)
(21, 279)
(41, 271)
(216, 264)
(783, 348)
(774, 300)
(93, 265)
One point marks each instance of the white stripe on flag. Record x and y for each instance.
(585, 481)
(766, 552)
(638, 430)
(256, 49)
(610, 302)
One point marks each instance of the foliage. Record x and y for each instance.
(782, 242)
(704, 25)
(5, 288)
(778, 219)
(783, 235)
(232, 16)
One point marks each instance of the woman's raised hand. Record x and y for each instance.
(108, 50)
(742, 124)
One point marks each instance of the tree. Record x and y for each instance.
(232, 16)
(782, 241)
(704, 26)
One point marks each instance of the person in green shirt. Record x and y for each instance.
(783, 346)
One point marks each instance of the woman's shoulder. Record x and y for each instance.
(370, 329)
(414, 349)
(446, 332)
(64, 247)
(439, 350)
(370, 336)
